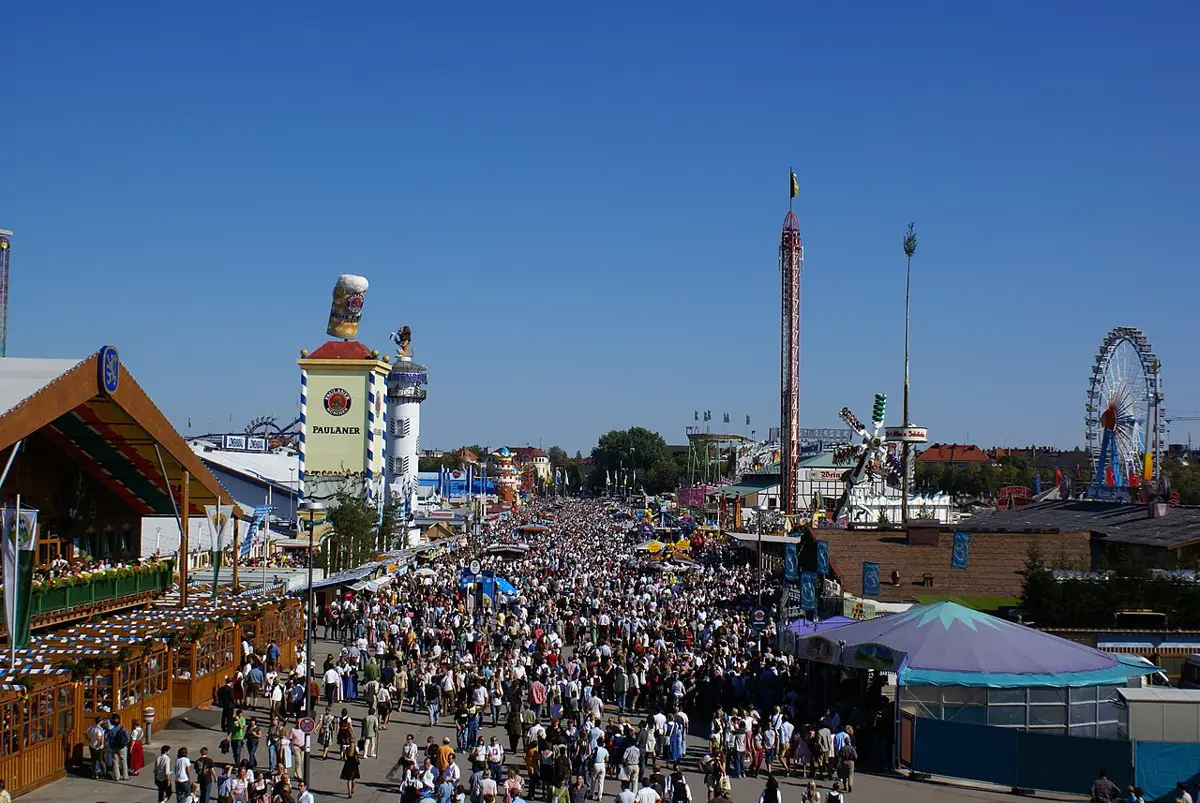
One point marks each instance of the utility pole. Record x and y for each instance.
(910, 248)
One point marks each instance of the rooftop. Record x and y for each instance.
(342, 350)
(21, 377)
(276, 468)
(954, 453)
(95, 412)
(1129, 524)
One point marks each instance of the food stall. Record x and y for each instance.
(38, 712)
(291, 631)
(116, 673)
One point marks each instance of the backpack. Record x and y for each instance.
(120, 738)
(679, 792)
(848, 753)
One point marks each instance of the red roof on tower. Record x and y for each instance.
(342, 350)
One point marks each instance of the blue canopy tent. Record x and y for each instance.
(955, 663)
(505, 587)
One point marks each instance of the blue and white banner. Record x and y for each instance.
(870, 584)
(261, 514)
(822, 557)
(962, 547)
(808, 591)
(791, 563)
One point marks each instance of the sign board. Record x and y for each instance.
(307, 725)
(475, 567)
(256, 444)
(906, 434)
(827, 474)
(336, 429)
(758, 619)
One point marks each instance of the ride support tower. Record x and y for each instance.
(791, 262)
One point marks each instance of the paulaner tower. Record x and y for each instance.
(405, 392)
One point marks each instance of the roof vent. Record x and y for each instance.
(1158, 510)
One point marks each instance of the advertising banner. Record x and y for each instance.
(822, 557)
(808, 590)
(791, 563)
(870, 580)
(962, 546)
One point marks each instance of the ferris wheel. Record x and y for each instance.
(1125, 424)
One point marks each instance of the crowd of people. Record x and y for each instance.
(597, 666)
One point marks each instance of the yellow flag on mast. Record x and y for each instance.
(795, 187)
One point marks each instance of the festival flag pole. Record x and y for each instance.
(12, 625)
(215, 550)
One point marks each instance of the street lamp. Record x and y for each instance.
(312, 508)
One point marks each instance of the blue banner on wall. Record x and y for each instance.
(791, 563)
(962, 546)
(487, 583)
(870, 579)
(808, 591)
(822, 557)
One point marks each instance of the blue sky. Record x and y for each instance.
(577, 211)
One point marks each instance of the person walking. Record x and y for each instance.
(162, 773)
(370, 734)
(117, 741)
(599, 768)
(183, 776)
(350, 768)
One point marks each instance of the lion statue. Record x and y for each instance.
(402, 337)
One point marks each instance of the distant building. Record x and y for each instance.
(822, 482)
(959, 455)
(532, 456)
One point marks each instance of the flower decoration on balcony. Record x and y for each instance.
(81, 574)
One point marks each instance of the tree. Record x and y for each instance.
(353, 534)
(634, 448)
(558, 457)
(389, 524)
(662, 477)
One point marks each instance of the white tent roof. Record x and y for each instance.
(277, 468)
(21, 377)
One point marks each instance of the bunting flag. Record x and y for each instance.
(791, 563)
(822, 557)
(808, 591)
(726, 419)
(20, 549)
(962, 545)
(219, 519)
(261, 514)
(870, 581)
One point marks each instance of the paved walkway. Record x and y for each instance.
(200, 728)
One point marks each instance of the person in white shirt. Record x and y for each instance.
(647, 793)
(333, 685)
(183, 774)
(305, 796)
